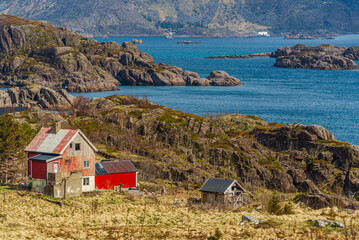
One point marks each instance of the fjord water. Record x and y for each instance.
(327, 98)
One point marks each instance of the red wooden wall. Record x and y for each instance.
(109, 181)
(38, 169)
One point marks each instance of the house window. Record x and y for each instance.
(67, 161)
(86, 181)
(87, 163)
(77, 146)
(56, 167)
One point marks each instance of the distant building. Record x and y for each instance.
(113, 174)
(63, 159)
(266, 34)
(223, 191)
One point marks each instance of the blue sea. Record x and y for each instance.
(327, 98)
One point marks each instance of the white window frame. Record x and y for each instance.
(86, 181)
(77, 144)
(85, 161)
(56, 170)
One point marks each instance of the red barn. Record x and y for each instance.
(115, 173)
(56, 150)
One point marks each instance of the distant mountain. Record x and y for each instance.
(192, 17)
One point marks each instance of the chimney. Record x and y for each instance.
(56, 127)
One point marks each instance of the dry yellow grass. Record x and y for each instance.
(125, 217)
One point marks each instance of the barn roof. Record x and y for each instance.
(216, 185)
(48, 142)
(44, 157)
(112, 167)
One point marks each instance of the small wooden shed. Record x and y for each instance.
(223, 191)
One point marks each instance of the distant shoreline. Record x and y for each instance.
(219, 37)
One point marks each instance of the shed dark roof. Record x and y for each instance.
(124, 166)
(44, 157)
(216, 185)
(99, 170)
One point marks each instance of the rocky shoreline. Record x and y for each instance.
(34, 52)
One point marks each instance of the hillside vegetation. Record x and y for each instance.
(179, 149)
(192, 17)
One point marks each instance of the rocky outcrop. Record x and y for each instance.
(352, 53)
(318, 201)
(35, 95)
(323, 57)
(221, 78)
(34, 52)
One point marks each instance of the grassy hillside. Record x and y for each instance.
(122, 216)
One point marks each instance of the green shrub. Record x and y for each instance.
(274, 205)
(288, 209)
(217, 235)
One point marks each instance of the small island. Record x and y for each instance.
(264, 54)
(323, 57)
(188, 42)
(137, 41)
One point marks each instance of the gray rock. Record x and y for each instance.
(259, 207)
(221, 78)
(205, 127)
(349, 211)
(35, 95)
(248, 218)
(320, 223)
(338, 224)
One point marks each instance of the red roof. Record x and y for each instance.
(124, 166)
(48, 142)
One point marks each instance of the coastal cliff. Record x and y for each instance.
(34, 52)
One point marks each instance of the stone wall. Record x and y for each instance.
(37, 185)
(64, 187)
